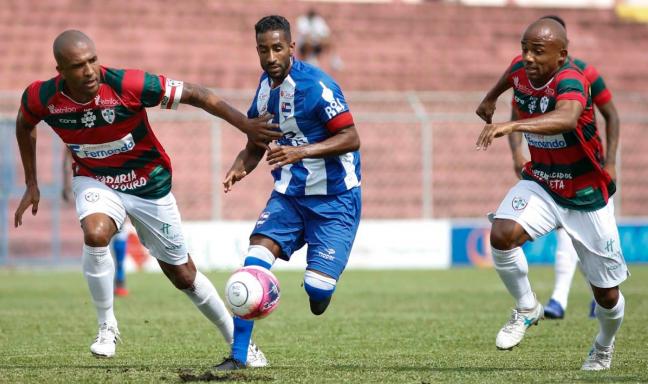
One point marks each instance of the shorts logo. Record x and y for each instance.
(328, 254)
(519, 203)
(91, 197)
(263, 217)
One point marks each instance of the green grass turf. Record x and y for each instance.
(382, 327)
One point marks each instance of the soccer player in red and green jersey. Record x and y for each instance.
(121, 169)
(564, 185)
(566, 259)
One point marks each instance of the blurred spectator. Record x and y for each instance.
(314, 40)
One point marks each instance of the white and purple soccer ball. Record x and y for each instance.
(252, 293)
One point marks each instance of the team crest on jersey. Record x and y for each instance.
(519, 203)
(544, 103)
(286, 109)
(108, 114)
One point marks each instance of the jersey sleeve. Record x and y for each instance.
(572, 86)
(254, 111)
(600, 93)
(329, 105)
(30, 105)
(142, 89)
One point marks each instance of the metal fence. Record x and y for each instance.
(418, 162)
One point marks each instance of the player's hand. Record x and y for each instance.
(611, 170)
(486, 110)
(232, 177)
(518, 164)
(31, 197)
(282, 155)
(261, 130)
(490, 132)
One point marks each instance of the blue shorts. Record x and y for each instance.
(328, 224)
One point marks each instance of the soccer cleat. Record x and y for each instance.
(105, 343)
(256, 358)
(553, 310)
(599, 358)
(121, 291)
(592, 312)
(513, 331)
(229, 364)
(318, 307)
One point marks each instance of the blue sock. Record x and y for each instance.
(119, 246)
(242, 336)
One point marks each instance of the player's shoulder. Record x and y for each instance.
(516, 64)
(307, 76)
(43, 89)
(117, 78)
(570, 71)
(580, 64)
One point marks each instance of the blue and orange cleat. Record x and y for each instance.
(553, 310)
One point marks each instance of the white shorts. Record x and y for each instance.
(156, 221)
(594, 233)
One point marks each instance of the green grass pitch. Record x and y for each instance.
(382, 327)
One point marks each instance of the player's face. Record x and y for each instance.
(274, 51)
(542, 58)
(79, 67)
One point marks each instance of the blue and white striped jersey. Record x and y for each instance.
(308, 106)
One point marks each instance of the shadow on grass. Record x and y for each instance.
(189, 376)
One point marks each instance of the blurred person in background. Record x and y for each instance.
(314, 40)
(566, 258)
(564, 185)
(117, 243)
(316, 199)
(122, 170)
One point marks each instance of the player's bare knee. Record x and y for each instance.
(96, 237)
(505, 235)
(320, 289)
(606, 297)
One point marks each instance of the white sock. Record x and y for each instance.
(565, 266)
(512, 267)
(99, 271)
(609, 321)
(203, 294)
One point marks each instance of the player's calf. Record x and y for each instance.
(320, 289)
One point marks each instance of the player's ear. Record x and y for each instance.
(292, 48)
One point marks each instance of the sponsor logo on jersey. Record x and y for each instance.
(99, 102)
(335, 106)
(68, 121)
(88, 119)
(101, 151)
(533, 102)
(54, 110)
(286, 109)
(546, 142)
(124, 181)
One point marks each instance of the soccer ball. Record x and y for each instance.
(252, 293)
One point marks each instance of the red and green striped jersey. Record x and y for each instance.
(569, 165)
(600, 94)
(110, 136)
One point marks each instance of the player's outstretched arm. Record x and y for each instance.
(343, 141)
(26, 137)
(612, 124)
(562, 119)
(486, 108)
(246, 161)
(259, 130)
(515, 143)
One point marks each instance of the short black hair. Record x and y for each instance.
(273, 23)
(555, 18)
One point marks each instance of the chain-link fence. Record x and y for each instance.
(418, 161)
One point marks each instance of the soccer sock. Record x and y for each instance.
(512, 267)
(119, 246)
(609, 321)
(203, 294)
(99, 270)
(565, 266)
(260, 256)
(319, 289)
